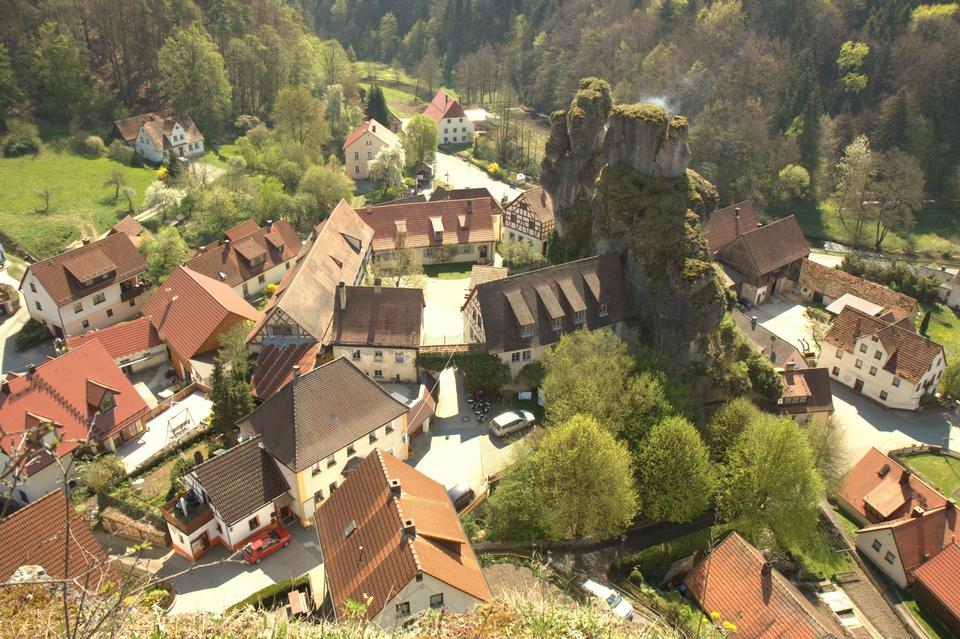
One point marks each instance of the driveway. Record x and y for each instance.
(461, 174)
(220, 579)
(458, 449)
(786, 319)
(10, 358)
(442, 321)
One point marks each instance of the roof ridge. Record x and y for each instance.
(396, 502)
(545, 268)
(229, 450)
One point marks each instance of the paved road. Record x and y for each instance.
(10, 358)
(462, 175)
(442, 320)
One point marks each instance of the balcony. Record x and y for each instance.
(133, 288)
(197, 514)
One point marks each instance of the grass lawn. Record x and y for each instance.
(400, 99)
(942, 472)
(80, 205)
(929, 622)
(945, 329)
(936, 234)
(156, 487)
(820, 557)
(449, 271)
(850, 526)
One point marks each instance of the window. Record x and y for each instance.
(461, 122)
(863, 348)
(99, 298)
(254, 523)
(878, 355)
(578, 317)
(896, 382)
(436, 601)
(403, 609)
(315, 470)
(515, 357)
(261, 278)
(839, 354)
(889, 557)
(398, 357)
(836, 371)
(369, 155)
(877, 545)
(526, 330)
(512, 236)
(318, 496)
(37, 304)
(351, 451)
(372, 438)
(356, 168)
(33, 287)
(78, 307)
(378, 356)
(331, 460)
(858, 363)
(356, 155)
(378, 372)
(85, 324)
(873, 371)
(356, 355)
(438, 236)
(556, 324)
(109, 312)
(219, 529)
(603, 310)
(883, 395)
(388, 429)
(332, 487)
(526, 355)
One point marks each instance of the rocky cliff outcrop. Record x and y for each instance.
(619, 181)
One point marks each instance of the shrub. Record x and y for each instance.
(32, 333)
(101, 473)
(93, 146)
(120, 152)
(494, 171)
(22, 138)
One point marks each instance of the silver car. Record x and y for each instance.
(511, 422)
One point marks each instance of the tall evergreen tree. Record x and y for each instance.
(376, 106)
(809, 139)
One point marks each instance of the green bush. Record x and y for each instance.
(268, 596)
(32, 333)
(120, 152)
(93, 146)
(481, 371)
(101, 473)
(22, 138)
(653, 563)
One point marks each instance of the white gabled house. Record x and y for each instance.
(154, 135)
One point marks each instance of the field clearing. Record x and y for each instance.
(80, 204)
(945, 329)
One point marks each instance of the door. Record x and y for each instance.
(858, 386)
(818, 299)
(483, 252)
(199, 544)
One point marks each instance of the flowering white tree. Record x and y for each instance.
(163, 197)
(386, 168)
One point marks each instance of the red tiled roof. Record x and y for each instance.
(379, 131)
(422, 409)
(537, 201)
(275, 366)
(890, 497)
(419, 220)
(129, 226)
(812, 383)
(722, 226)
(764, 250)
(58, 391)
(443, 106)
(130, 127)
(120, 340)
(909, 355)
(939, 577)
(833, 283)
(391, 558)
(732, 582)
(37, 536)
(373, 316)
(189, 308)
(159, 130)
(278, 242)
(58, 274)
(920, 536)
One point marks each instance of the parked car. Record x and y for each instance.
(620, 606)
(461, 495)
(265, 544)
(511, 422)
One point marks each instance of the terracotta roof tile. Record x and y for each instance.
(812, 383)
(422, 409)
(921, 535)
(128, 128)
(443, 106)
(761, 605)
(275, 366)
(939, 577)
(420, 219)
(480, 274)
(722, 226)
(833, 283)
(189, 308)
(120, 340)
(392, 558)
(36, 536)
(278, 243)
(896, 484)
(307, 420)
(909, 355)
(763, 250)
(114, 254)
(390, 317)
(536, 201)
(128, 226)
(57, 392)
(778, 350)
(377, 130)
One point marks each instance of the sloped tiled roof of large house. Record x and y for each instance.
(722, 226)
(921, 534)
(909, 355)
(443, 106)
(333, 254)
(767, 248)
(189, 308)
(406, 525)
(246, 251)
(89, 268)
(128, 128)
(378, 316)
(415, 225)
(120, 340)
(835, 283)
(375, 129)
(310, 418)
(159, 130)
(68, 391)
(537, 298)
(779, 351)
(37, 536)
(468, 193)
(880, 489)
(939, 577)
(275, 366)
(736, 581)
(241, 480)
(537, 201)
(127, 225)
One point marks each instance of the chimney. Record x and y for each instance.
(31, 368)
(359, 555)
(409, 529)
(86, 241)
(296, 371)
(342, 289)
(753, 323)
(202, 249)
(916, 512)
(373, 127)
(5, 384)
(369, 209)
(905, 477)
(376, 285)
(766, 570)
(791, 365)
(469, 206)
(394, 488)
(736, 221)
(226, 242)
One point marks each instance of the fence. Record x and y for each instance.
(920, 449)
(186, 391)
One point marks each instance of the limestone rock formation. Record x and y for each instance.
(619, 181)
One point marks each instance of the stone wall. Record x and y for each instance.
(116, 523)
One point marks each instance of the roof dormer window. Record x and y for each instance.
(526, 330)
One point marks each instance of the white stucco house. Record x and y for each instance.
(453, 125)
(154, 135)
